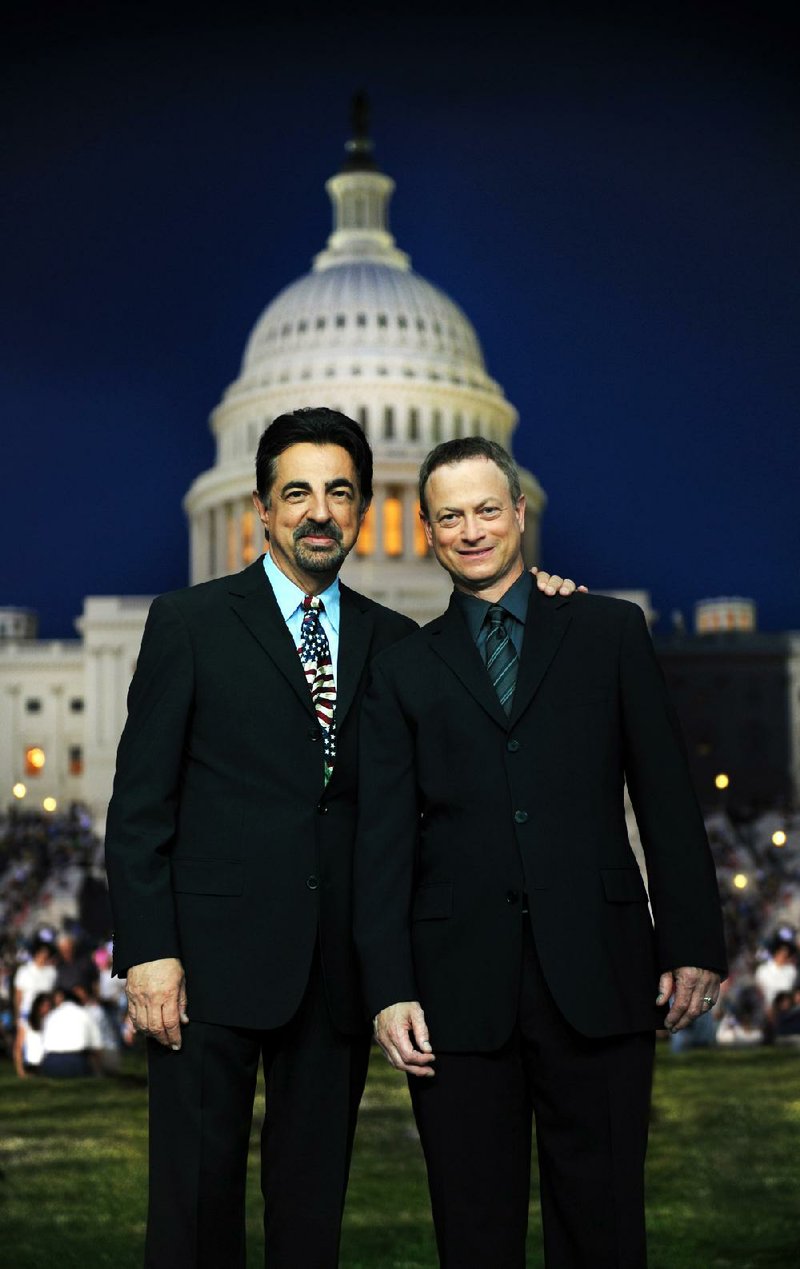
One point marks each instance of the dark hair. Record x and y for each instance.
(315, 425)
(37, 1008)
(451, 452)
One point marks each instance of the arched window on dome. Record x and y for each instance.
(365, 543)
(393, 523)
(413, 424)
(388, 422)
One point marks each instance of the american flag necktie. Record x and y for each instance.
(315, 658)
(502, 661)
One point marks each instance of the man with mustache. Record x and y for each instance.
(509, 957)
(229, 854)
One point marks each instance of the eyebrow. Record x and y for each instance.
(339, 482)
(460, 510)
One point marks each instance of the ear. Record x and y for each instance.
(261, 510)
(519, 512)
(426, 524)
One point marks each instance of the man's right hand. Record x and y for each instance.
(403, 1035)
(156, 992)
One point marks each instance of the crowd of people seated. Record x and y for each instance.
(63, 1014)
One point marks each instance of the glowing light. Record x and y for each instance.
(779, 837)
(740, 881)
(722, 781)
(19, 790)
(49, 804)
(34, 757)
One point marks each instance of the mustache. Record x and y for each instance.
(327, 529)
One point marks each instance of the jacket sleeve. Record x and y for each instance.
(386, 846)
(680, 869)
(142, 815)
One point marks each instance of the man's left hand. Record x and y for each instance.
(552, 584)
(695, 991)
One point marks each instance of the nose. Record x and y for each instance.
(317, 509)
(471, 528)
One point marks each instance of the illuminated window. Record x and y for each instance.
(420, 541)
(75, 760)
(393, 523)
(34, 760)
(248, 537)
(365, 544)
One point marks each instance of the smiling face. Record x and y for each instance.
(312, 513)
(474, 527)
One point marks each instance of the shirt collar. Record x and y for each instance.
(515, 602)
(290, 597)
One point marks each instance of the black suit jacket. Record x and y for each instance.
(463, 811)
(223, 846)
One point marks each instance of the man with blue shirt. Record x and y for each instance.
(229, 854)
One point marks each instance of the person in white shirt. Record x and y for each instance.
(34, 977)
(778, 973)
(71, 1039)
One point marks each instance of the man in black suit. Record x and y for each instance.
(229, 855)
(507, 948)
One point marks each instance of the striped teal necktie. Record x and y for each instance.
(502, 661)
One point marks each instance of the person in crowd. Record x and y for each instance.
(34, 1040)
(229, 854)
(76, 972)
(71, 1040)
(36, 976)
(502, 923)
(778, 972)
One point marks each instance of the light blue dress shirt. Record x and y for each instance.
(290, 601)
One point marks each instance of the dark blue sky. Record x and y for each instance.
(613, 201)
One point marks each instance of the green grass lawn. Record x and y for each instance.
(723, 1170)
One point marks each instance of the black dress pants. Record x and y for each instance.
(591, 1101)
(201, 1109)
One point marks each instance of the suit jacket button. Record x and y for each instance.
(521, 817)
(512, 896)
(314, 734)
(512, 746)
(312, 882)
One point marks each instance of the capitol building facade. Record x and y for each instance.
(360, 332)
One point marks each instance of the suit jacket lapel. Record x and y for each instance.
(355, 636)
(451, 640)
(253, 601)
(545, 626)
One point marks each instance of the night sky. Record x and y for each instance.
(612, 200)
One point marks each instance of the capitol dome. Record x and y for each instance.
(364, 334)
